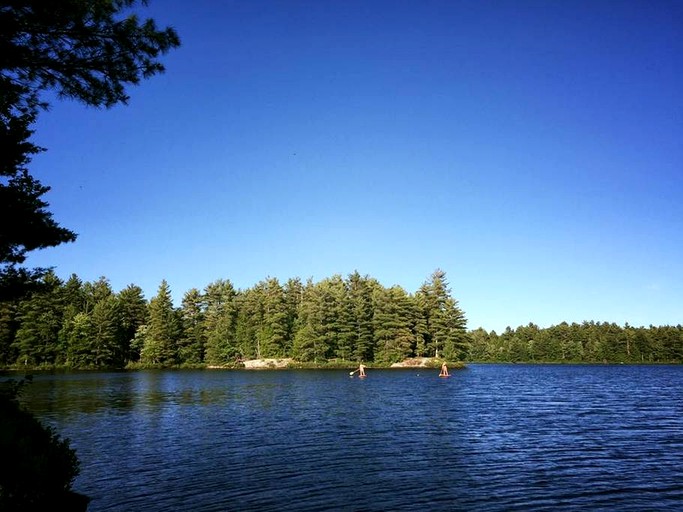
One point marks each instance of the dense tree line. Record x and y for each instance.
(589, 342)
(88, 325)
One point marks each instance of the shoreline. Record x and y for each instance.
(258, 365)
(292, 364)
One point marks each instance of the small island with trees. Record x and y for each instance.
(335, 322)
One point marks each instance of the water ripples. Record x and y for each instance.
(492, 437)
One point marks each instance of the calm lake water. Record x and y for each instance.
(490, 437)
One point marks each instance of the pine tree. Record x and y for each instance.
(163, 330)
(8, 328)
(78, 339)
(40, 319)
(306, 345)
(360, 304)
(220, 323)
(74, 302)
(480, 348)
(73, 293)
(25, 222)
(109, 349)
(294, 293)
(446, 326)
(273, 330)
(248, 320)
(96, 291)
(422, 337)
(192, 344)
(394, 338)
(331, 322)
(134, 312)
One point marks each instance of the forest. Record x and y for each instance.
(87, 325)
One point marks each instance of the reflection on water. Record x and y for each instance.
(491, 437)
(77, 393)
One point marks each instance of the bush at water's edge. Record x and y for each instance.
(43, 466)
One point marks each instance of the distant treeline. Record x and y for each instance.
(588, 342)
(74, 324)
(87, 325)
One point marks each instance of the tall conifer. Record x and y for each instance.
(163, 330)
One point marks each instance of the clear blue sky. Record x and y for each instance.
(531, 149)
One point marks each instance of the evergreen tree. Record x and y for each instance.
(109, 348)
(220, 323)
(74, 293)
(331, 322)
(192, 344)
(480, 350)
(273, 333)
(40, 318)
(360, 305)
(25, 222)
(528, 336)
(96, 291)
(671, 342)
(139, 341)
(133, 313)
(456, 339)
(8, 328)
(163, 330)
(294, 293)
(446, 326)
(88, 51)
(74, 303)
(78, 340)
(248, 321)
(421, 329)
(394, 338)
(307, 345)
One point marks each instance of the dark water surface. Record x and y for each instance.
(491, 437)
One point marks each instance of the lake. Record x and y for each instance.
(490, 437)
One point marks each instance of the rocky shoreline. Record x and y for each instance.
(418, 362)
(288, 363)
